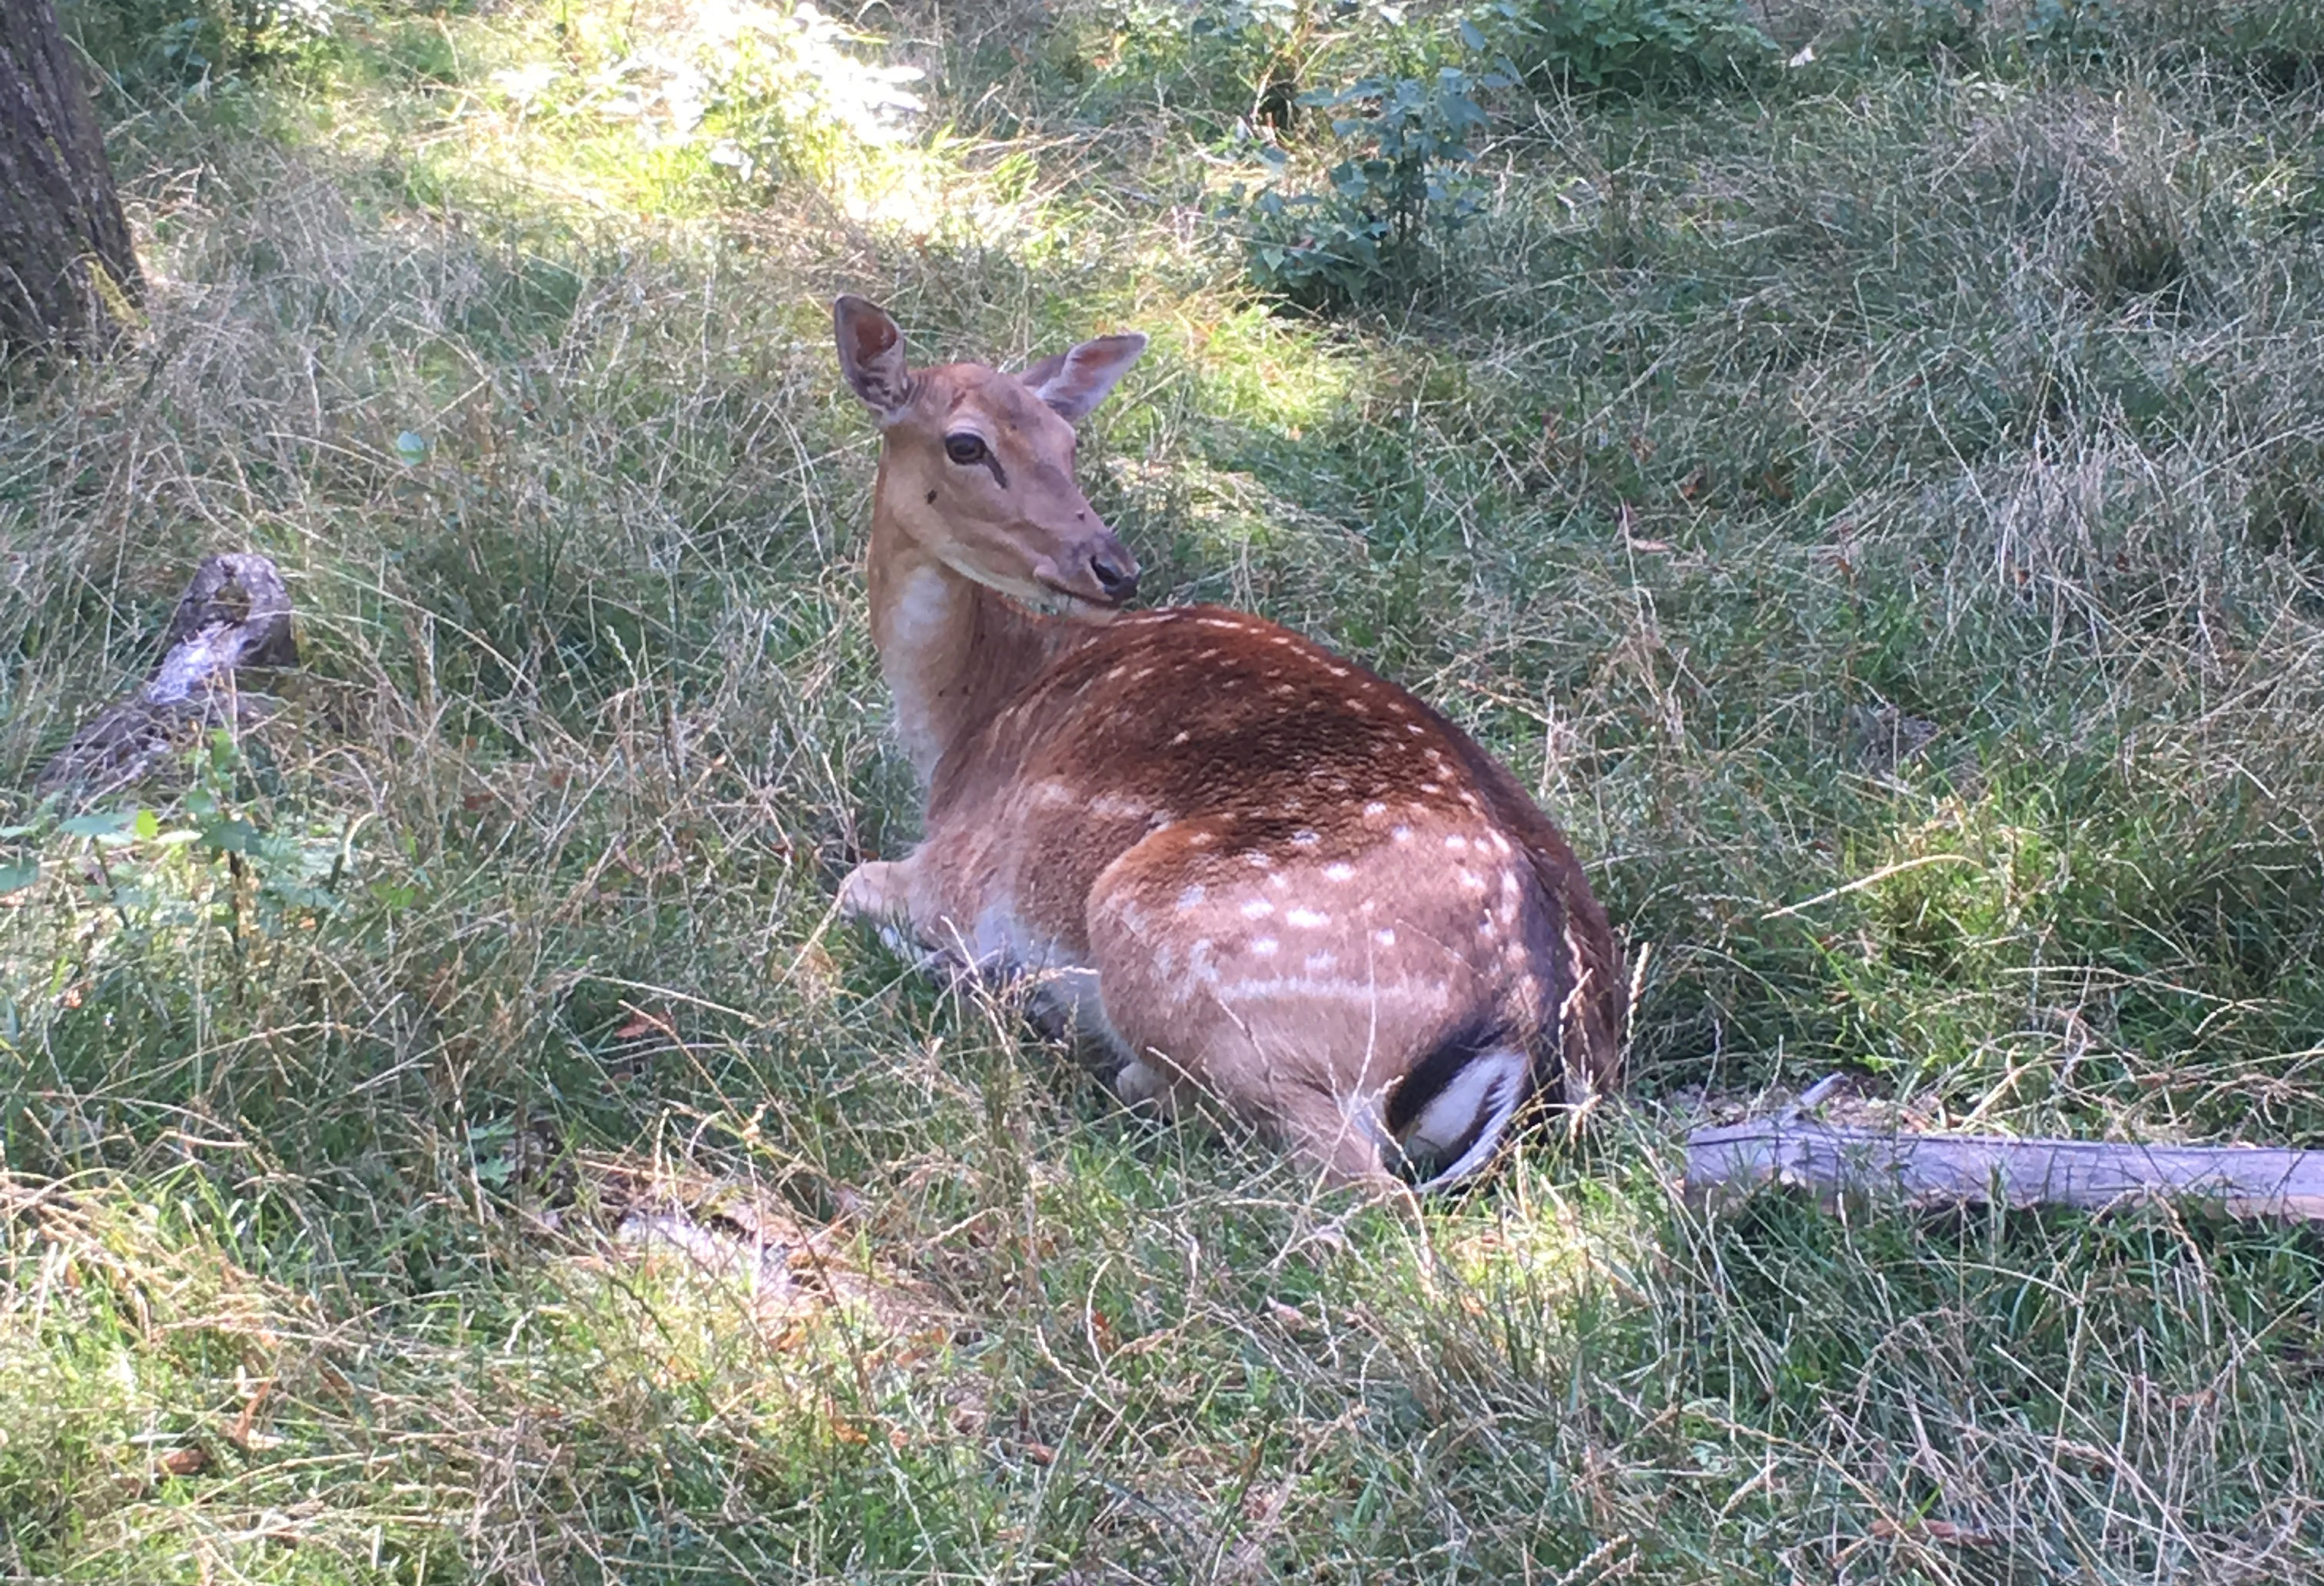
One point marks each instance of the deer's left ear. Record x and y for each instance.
(1075, 382)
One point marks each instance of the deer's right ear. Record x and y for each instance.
(872, 355)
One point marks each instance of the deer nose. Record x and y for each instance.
(1116, 572)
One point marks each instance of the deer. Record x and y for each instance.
(1234, 865)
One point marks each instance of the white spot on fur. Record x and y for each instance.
(1430, 788)
(1192, 898)
(1265, 946)
(1338, 873)
(1375, 809)
(1308, 920)
(1303, 838)
(1258, 861)
(1470, 882)
(1202, 840)
(1501, 844)
(1337, 671)
(1321, 962)
(1115, 674)
(1456, 842)
(1258, 908)
(1401, 834)
(1181, 738)
(1385, 938)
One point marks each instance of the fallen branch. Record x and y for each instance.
(1939, 1170)
(236, 614)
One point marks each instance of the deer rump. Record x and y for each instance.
(1237, 863)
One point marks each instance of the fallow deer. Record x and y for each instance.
(1239, 863)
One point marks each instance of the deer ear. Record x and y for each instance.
(1075, 382)
(872, 355)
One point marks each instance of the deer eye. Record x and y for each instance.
(967, 450)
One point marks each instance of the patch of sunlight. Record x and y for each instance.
(715, 1291)
(700, 103)
(1544, 1235)
(1252, 367)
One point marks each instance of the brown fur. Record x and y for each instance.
(1242, 863)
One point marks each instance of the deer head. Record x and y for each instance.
(976, 466)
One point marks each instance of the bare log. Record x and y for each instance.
(235, 614)
(1945, 1170)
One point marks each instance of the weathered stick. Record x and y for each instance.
(1930, 1170)
(236, 614)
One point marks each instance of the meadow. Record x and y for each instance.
(1861, 462)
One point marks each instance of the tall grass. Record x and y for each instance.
(1875, 504)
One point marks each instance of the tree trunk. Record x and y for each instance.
(63, 240)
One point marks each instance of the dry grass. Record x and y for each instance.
(489, 1160)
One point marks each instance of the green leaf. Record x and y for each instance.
(103, 822)
(16, 877)
(232, 836)
(148, 826)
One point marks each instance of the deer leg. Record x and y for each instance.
(879, 889)
(1337, 1140)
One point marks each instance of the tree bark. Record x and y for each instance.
(62, 237)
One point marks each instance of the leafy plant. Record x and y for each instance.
(195, 47)
(1408, 176)
(1628, 46)
(214, 864)
(2081, 30)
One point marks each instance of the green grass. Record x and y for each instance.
(1879, 505)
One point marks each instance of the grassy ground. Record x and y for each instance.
(1887, 488)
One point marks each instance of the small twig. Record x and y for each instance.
(1811, 1097)
(1874, 879)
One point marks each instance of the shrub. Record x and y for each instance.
(1630, 46)
(1407, 175)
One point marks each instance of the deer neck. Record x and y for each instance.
(954, 652)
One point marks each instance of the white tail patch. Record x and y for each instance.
(1480, 1100)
